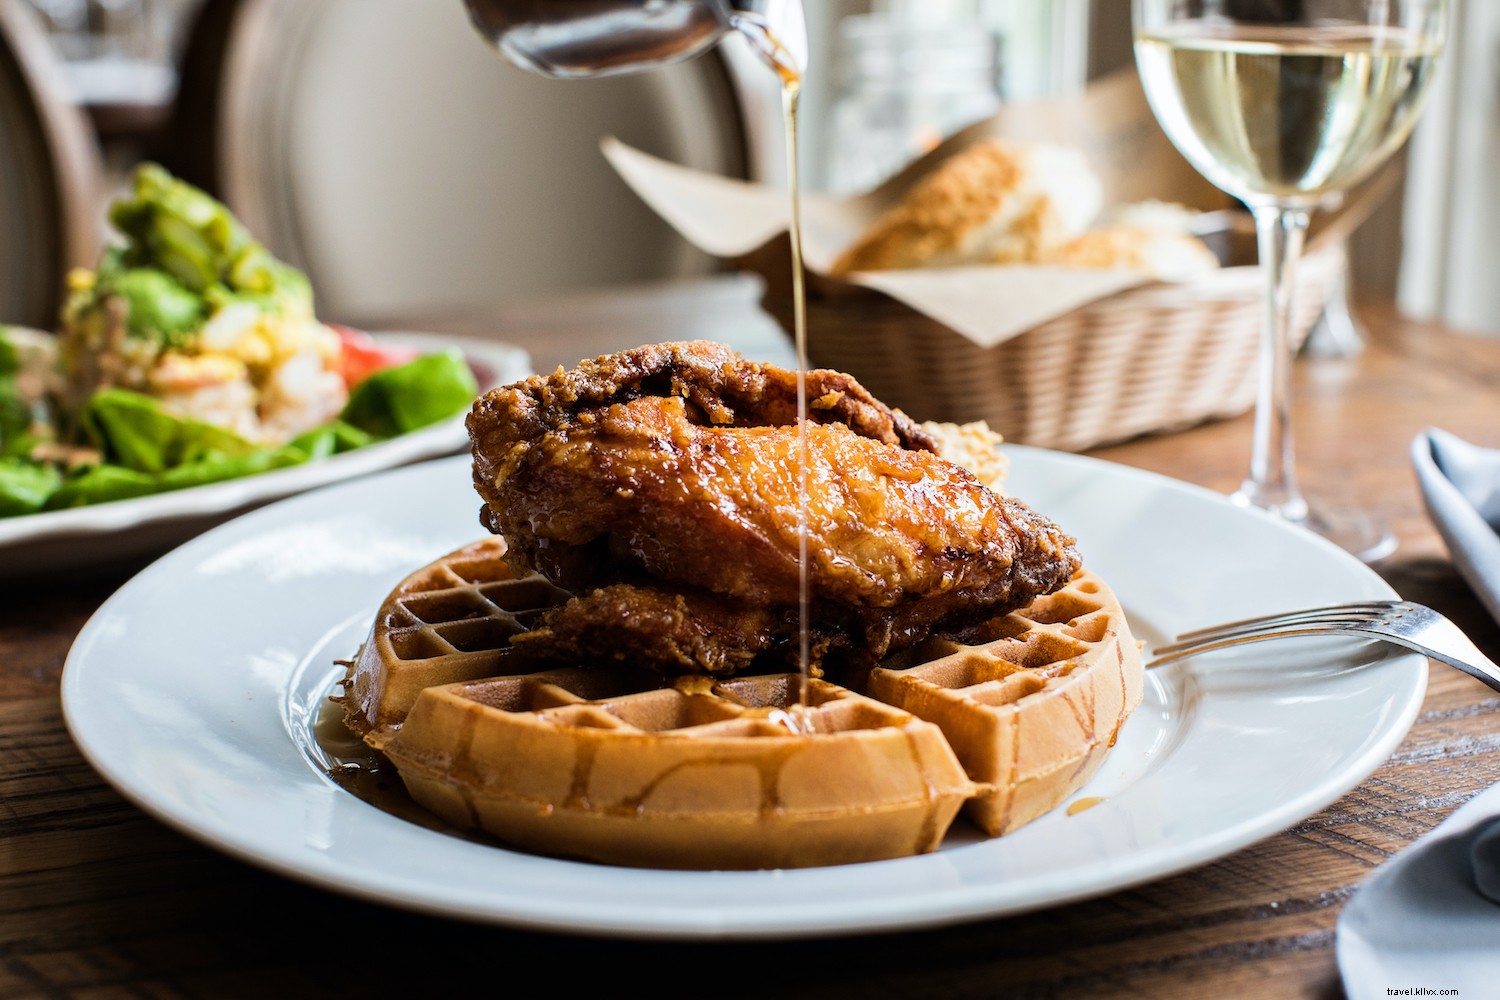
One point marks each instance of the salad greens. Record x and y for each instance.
(401, 399)
(26, 486)
(144, 449)
(185, 255)
(17, 415)
(189, 314)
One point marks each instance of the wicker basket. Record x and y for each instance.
(1154, 358)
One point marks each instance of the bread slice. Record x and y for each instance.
(991, 203)
(1163, 254)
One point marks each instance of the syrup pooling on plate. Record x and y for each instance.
(363, 771)
(1085, 803)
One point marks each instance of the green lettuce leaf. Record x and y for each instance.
(332, 439)
(217, 468)
(148, 450)
(26, 486)
(15, 418)
(15, 413)
(136, 433)
(10, 355)
(101, 484)
(407, 397)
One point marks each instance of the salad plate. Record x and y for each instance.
(1225, 749)
(62, 540)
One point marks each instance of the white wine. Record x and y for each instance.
(1285, 114)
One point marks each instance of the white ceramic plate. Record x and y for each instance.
(67, 539)
(194, 690)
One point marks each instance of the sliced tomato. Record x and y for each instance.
(363, 356)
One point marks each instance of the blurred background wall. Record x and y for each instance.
(1451, 210)
(408, 168)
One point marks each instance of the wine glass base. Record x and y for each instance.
(1361, 535)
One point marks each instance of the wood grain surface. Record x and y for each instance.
(97, 899)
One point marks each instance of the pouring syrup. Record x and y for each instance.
(592, 38)
(763, 38)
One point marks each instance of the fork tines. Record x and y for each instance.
(1403, 623)
(1355, 612)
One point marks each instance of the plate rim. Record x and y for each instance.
(954, 906)
(228, 494)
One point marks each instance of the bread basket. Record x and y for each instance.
(1153, 358)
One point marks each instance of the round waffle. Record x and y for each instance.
(449, 621)
(610, 765)
(1031, 701)
(703, 774)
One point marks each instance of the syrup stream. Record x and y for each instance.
(799, 719)
(790, 92)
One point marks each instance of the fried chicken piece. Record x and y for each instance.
(678, 629)
(718, 388)
(723, 390)
(684, 630)
(673, 464)
(681, 629)
(645, 490)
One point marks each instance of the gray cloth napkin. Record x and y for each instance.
(1461, 487)
(1430, 917)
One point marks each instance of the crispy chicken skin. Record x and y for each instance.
(673, 470)
(678, 630)
(722, 389)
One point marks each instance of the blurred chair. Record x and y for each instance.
(49, 175)
(383, 147)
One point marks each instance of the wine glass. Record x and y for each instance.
(1282, 103)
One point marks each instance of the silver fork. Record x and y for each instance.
(1401, 622)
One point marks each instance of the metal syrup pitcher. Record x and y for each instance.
(589, 38)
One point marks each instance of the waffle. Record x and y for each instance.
(449, 621)
(612, 766)
(1031, 702)
(700, 775)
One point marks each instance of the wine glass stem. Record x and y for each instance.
(1273, 480)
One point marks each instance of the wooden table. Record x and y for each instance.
(97, 899)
